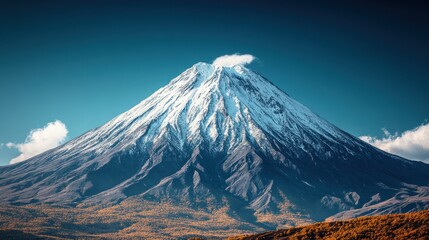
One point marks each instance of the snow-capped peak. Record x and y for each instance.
(207, 68)
(223, 106)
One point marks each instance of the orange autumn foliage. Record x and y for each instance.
(395, 226)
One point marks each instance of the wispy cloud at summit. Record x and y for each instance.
(233, 60)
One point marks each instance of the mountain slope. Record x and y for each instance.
(215, 137)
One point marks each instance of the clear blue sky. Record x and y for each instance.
(361, 65)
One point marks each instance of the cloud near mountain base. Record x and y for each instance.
(412, 144)
(40, 140)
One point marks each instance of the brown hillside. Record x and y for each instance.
(395, 226)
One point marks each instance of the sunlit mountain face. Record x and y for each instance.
(221, 137)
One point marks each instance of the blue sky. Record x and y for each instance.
(361, 65)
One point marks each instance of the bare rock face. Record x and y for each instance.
(222, 136)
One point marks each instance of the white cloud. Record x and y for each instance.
(411, 144)
(40, 140)
(10, 145)
(233, 60)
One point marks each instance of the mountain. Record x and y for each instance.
(223, 137)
